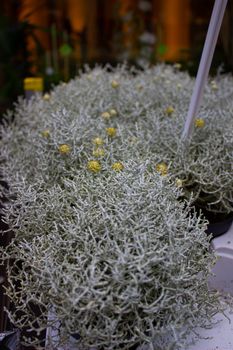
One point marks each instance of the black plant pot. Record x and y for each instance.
(219, 228)
(10, 340)
(218, 223)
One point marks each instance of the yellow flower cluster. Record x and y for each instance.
(113, 112)
(94, 166)
(117, 166)
(179, 182)
(169, 110)
(199, 123)
(115, 84)
(213, 85)
(111, 132)
(98, 152)
(177, 65)
(108, 114)
(64, 149)
(45, 133)
(46, 97)
(161, 168)
(98, 141)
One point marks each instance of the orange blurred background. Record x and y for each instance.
(57, 37)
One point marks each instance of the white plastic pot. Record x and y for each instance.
(220, 337)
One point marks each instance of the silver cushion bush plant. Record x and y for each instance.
(150, 111)
(95, 174)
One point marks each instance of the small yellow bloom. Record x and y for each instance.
(98, 141)
(46, 97)
(64, 149)
(213, 84)
(45, 133)
(177, 65)
(199, 123)
(117, 166)
(98, 152)
(113, 112)
(179, 182)
(162, 169)
(169, 110)
(94, 165)
(115, 84)
(106, 115)
(133, 139)
(111, 132)
(179, 86)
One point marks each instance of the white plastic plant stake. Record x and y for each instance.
(52, 332)
(221, 335)
(222, 245)
(204, 67)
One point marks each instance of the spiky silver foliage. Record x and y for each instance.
(99, 232)
(121, 260)
(151, 108)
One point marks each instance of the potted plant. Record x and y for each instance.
(204, 168)
(102, 237)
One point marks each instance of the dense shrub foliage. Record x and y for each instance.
(96, 172)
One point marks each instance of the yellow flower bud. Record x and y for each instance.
(133, 139)
(115, 84)
(94, 166)
(214, 85)
(117, 166)
(98, 141)
(64, 149)
(98, 152)
(169, 110)
(113, 112)
(45, 133)
(179, 182)
(111, 132)
(46, 97)
(179, 86)
(106, 115)
(199, 123)
(177, 65)
(161, 168)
